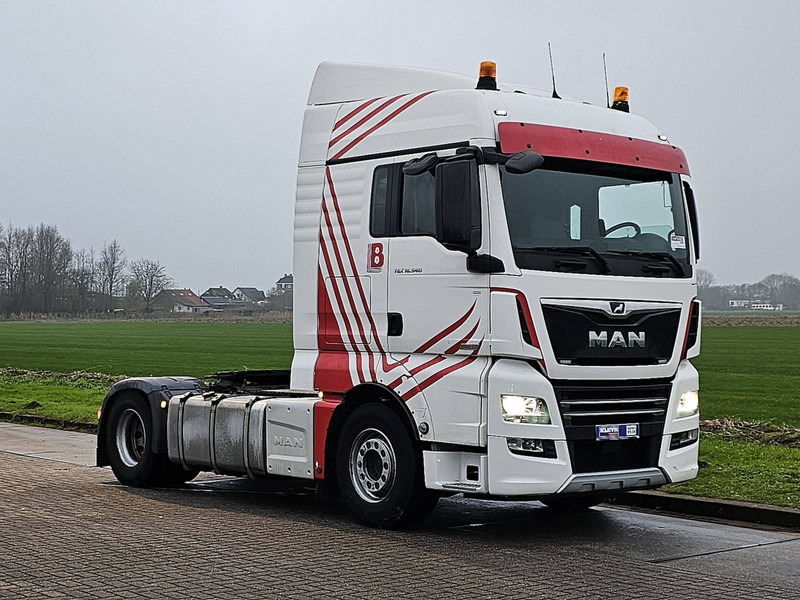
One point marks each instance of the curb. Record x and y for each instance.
(731, 510)
(9, 417)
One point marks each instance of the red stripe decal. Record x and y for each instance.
(436, 377)
(451, 350)
(346, 288)
(445, 332)
(378, 125)
(340, 304)
(526, 312)
(562, 142)
(353, 113)
(385, 363)
(363, 120)
(688, 325)
(454, 348)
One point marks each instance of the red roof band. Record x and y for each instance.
(561, 142)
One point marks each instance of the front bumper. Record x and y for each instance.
(513, 474)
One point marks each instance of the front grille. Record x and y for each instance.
(645, 338)
(585, 405)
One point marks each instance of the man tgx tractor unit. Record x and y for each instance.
(494, 295)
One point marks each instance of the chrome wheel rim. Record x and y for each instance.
(372, 465)
(131, 438)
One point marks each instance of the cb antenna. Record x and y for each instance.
(605, 71)
(552, 71)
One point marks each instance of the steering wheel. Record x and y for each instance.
(613, 228)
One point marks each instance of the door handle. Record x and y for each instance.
(395, 324)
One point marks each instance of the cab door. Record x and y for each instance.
(438, 310)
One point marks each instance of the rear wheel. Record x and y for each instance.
(379, 470)
(574, 503)
(128, 438)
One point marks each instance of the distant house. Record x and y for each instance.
(249, 294)
(219, 297)
(765, 306)
(181, 301)
(285, 283)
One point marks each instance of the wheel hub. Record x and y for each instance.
(372, 465)
(131, 437)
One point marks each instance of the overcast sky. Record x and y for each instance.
(174, 126)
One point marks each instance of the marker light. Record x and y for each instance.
(524, 409)
(621, 99)
(487, 76)
(689, 404)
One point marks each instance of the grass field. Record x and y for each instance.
(751, 373)
(746, 471)
(747, 372)
(145, 347)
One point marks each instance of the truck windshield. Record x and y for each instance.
(597, 218)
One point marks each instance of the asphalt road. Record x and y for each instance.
(70, 530)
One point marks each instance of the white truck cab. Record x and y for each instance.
(494, 295)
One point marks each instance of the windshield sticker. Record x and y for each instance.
(677, 241)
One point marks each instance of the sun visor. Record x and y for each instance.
(563, 142)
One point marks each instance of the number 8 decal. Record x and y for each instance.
(375, 257)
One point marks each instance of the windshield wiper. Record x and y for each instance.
(584, 250)
(659, 255)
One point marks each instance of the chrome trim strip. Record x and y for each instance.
(604, 306)
(610, 401)
(615, 413)
(613, 480)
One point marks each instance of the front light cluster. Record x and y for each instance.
(689, 404)
(524, 409)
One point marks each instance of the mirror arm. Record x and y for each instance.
(484, 156)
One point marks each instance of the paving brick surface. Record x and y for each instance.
(68, 531)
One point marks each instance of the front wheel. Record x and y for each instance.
(128, 438)
(379, 471)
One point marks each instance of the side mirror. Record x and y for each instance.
(524, 162)
(690, 203)
(458, 205)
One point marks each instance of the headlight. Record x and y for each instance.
(524, 409)
(688, 404)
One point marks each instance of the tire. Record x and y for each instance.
(379, 470)
(574, 503)
(128, 439)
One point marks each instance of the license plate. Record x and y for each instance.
(616, 432)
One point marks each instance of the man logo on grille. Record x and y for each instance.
(617, 308)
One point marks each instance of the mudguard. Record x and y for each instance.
(155, 390)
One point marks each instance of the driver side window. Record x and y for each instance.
(418, 205)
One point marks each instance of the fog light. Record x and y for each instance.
(684, 438)
(689, 404)
(524, 409)
(541, 448)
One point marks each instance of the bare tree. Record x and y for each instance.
(781, 288)
(111, 271)
(280, 300)
(705, 279)
(83, 279)
(15, 257)
(51, 256)
(148, 280)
